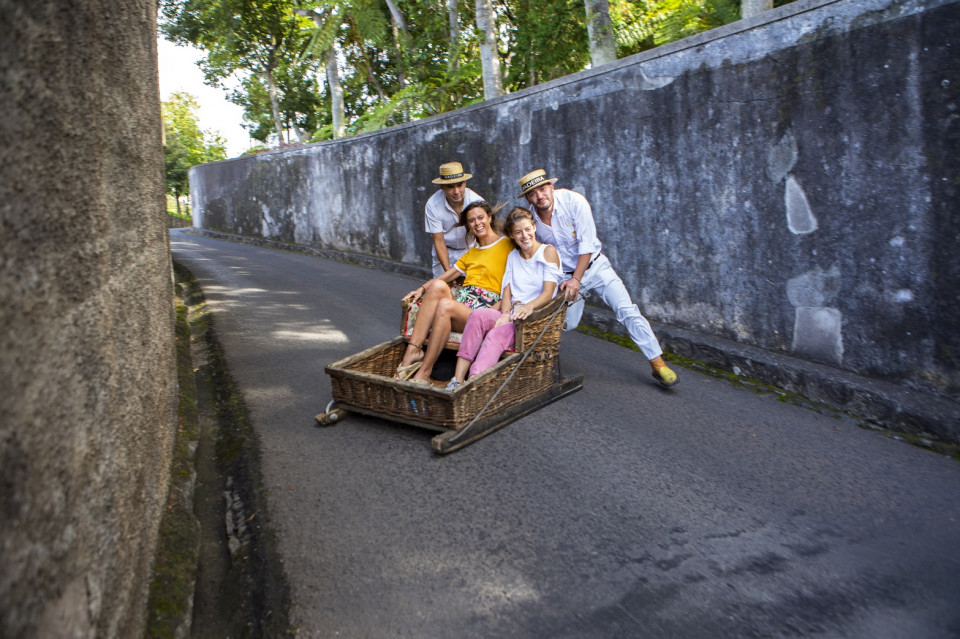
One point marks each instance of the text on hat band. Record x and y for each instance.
(533, 182)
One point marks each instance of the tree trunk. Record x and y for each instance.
(603, 47)
(368, 68)
(489, 55)
(274, 103)
(336, 93)
(750, 8)
(454, 17)
(334, 87)
(400, 26)
(396, 16)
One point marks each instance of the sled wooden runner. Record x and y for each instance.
(517, 385)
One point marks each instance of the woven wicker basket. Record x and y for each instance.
(364, 382)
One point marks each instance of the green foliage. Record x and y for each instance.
(547, 40)
(185, 144)
(390, 74)
(300, 105)
(252, 38)
(260, 148)
(633, 26)
(679, 19)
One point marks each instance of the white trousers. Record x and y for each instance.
(601, 279)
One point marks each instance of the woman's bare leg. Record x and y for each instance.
(450, 315)
(436, 291)
(463, 367)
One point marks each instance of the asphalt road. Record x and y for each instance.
(624, 510)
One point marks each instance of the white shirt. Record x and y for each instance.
(572, 230)
(439, 217)
(526, 276)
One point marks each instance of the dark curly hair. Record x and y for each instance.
(491, 213)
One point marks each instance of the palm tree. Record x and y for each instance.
(330, 21)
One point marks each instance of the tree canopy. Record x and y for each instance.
(185, 144)
(318, 69)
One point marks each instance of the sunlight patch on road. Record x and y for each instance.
(322, 335)
(240, 292)
(506, 590)
(490, 588)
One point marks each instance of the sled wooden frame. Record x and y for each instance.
(517, 385)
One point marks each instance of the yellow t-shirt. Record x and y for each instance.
(483, 266)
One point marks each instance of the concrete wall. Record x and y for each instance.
(87, 373)
(787, 182)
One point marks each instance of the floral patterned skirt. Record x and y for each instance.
(474, 297)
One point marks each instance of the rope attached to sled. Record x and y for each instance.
(513, 372)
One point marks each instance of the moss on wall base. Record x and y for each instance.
(216, 571)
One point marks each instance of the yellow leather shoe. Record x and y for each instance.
(665, 376)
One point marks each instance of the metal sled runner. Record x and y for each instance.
(517, 385)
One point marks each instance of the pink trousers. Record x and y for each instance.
(483, 344)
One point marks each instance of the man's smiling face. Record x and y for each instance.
(541, 198)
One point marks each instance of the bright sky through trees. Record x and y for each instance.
(179, 72)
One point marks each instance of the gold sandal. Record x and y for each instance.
(406, 372)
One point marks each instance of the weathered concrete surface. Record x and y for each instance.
(87, 407)
(786, 182)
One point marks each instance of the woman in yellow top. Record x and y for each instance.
(440, 312)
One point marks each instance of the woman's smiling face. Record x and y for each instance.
(524, 234)
(478, 222)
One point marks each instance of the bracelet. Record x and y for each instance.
(574, 277)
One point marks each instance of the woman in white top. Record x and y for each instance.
(530, 281)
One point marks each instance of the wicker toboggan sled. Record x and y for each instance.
(517, 385)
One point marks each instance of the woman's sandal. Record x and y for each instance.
(406, 372)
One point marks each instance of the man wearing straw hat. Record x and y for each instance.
(565, 220)
(442, 216)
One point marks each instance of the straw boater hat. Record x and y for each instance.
(532, 180)
(452, 173)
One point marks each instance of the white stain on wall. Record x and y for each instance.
(818, 333)
(902, 296)
(818, 327)
(781, 157)
(800, 218)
